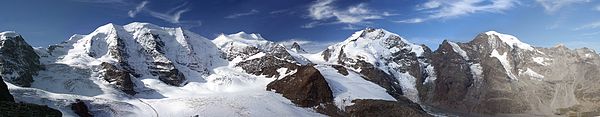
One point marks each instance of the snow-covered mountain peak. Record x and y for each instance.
(371, 43)
(8, 34)
(139, 25)
(242, 40)
(244, 35)
(512, 41)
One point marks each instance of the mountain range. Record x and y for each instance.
(141, 69)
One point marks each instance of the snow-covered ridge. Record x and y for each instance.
(512, 41)
(8, 34)
(242, 39)
(374, 44)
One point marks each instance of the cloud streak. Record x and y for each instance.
(554, 5)
(324, 11)
(137, 9)
(173, 15)
(593, 25)
(444, 9)
(236, 15)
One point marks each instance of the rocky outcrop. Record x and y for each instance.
(296, 48)
(80, 108)
(18, 61)
(4, 93)
(12, 109)
(119, 77)
(257, 55)
(267, 65)
(306, 87)
(381, 108)
(341, 69)
(8, 107)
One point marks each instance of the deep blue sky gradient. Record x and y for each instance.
(45, 22)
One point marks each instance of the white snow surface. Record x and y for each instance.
(541, 60)
(223, 90)
(505, 63)
(512, 41)
(351, 87)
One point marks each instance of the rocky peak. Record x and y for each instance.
(18, 60)
(493, 39)
(309, 87)
(296, 48)
(255, 54)
(384, 58)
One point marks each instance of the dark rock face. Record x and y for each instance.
(4, 93)
(267, 65)
(341, 69)
(81, 109)
(12, 109)
(165, 70)
(296, 47)
(381, 108)
(306, 88)
(121, 78)
(460, 88)
(8, 107)
(380, 78)
(18, 61)
(454, 76)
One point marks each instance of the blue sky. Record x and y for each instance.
(543, 23)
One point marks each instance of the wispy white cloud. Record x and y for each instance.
(350, 27)
(173, 15)
(592, 25)
(325, 11)
(411, 21)
(236, 15)
(279, 11)
(592, 33)
(137, 9)
(597, 8)
(554, 5)
(312, 24)
(443, 9)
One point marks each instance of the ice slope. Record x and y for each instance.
(351, 87)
